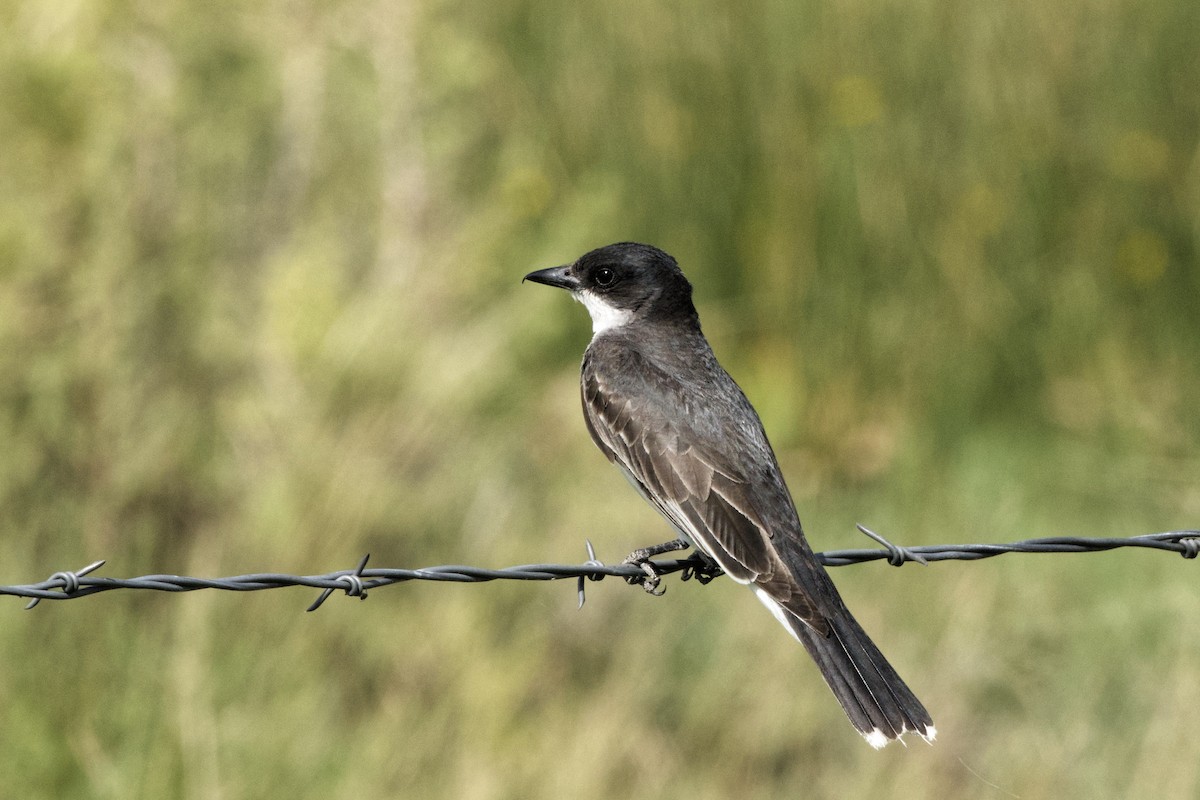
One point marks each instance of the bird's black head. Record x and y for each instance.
(625, 283)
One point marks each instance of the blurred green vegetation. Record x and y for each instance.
(260, 311)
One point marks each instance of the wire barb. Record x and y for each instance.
(1191, 547)
(592, 561)
(356, 583)
(70, 581)
(351, 582)
(897, 554)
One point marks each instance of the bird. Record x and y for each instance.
(662, 409)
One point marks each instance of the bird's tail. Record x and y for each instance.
(879, 704)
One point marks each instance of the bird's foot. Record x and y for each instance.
(651, 581)
(641, 558)
(702, 568)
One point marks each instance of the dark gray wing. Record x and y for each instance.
(706, 496)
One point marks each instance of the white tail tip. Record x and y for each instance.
(878, 739)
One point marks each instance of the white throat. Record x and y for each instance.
(604, 316)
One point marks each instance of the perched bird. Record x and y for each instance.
(662, 409)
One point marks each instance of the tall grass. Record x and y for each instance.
(259, 310)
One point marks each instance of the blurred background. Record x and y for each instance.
(260, 310)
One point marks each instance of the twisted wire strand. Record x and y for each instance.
(358, 582)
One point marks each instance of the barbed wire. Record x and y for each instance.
(357, 582)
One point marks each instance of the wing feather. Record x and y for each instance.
(708, 502)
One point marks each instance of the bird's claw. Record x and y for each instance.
(651, 581)
(701, 569)
(641, 558)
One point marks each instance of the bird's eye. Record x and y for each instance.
(605, 276)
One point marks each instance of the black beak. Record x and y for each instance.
(555, 276)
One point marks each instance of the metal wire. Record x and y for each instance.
(357, 582)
